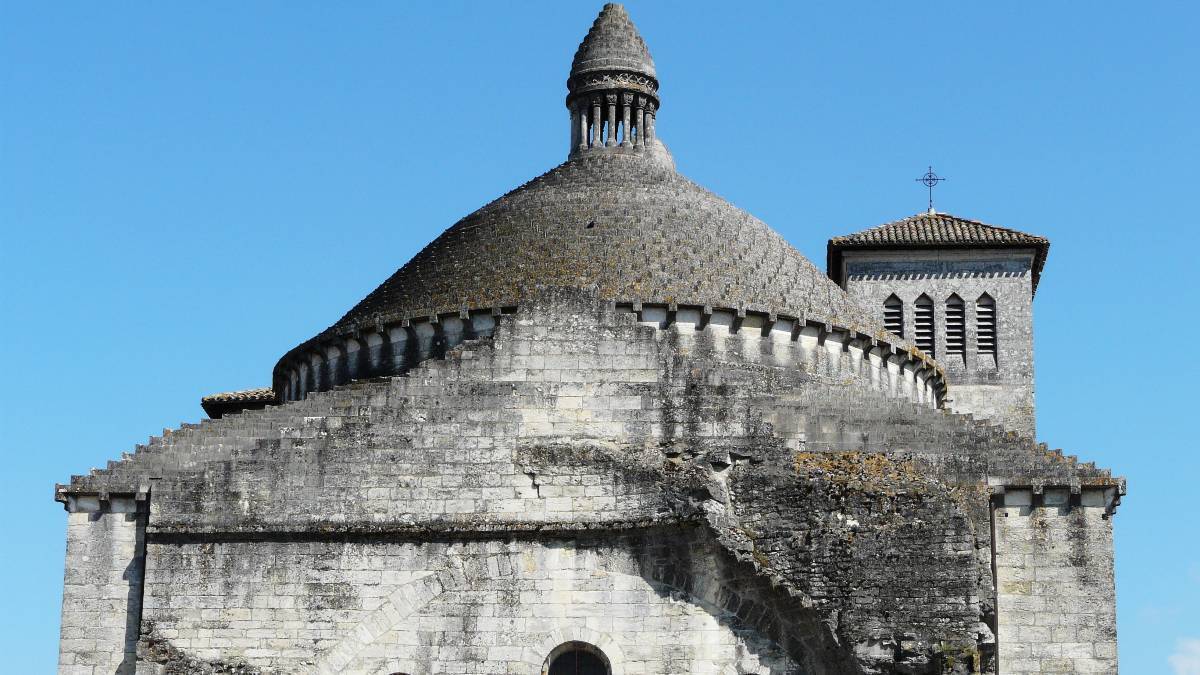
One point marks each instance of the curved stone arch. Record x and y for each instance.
(536, 657)
(796, 634)
(713, 607)
(408, 598)
(711, 597)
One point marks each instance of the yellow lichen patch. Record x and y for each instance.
(871, 469)
(970, 495)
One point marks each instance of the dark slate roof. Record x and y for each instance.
(613, 43)
(936, 230)
(632, 228)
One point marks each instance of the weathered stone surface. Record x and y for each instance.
(858, 544)
(633, 230)
(614, 411)
(1054, 573)
(102, 585)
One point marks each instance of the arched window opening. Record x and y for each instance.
(893, 315)
(923, 323)
(576, 658)
(956, 326)
(985, 326)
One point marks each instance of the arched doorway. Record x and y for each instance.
(576, 658)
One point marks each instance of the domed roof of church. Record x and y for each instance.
(616, 217)
(635, 229)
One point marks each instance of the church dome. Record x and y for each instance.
(635, 230)
(616, 217)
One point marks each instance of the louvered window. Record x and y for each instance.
(956, 326)
(985, 325)
(923, 322)
(893, 315)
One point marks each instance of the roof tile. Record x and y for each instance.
(937, 230)
(261, 394)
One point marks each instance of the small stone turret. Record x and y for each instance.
(613, 87)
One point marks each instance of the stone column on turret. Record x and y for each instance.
(610, 133)
(650, 122)
(574, 114)
(594, 137)
(612, 86)
(641, 121)
(626, 115)
(581, 126)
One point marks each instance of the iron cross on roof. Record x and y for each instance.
(930, 180)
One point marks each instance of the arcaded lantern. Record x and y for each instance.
(613, 88)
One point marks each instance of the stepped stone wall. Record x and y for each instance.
(809, 519)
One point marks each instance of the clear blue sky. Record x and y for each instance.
(187, 190)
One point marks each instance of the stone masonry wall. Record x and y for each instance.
(102, 587)
(881, 543)
(1002, 390)
(1055, 587)
(576, 418)
(445, 606)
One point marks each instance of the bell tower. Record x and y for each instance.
(961, 291)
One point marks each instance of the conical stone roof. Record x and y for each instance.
(633, 229)
(613, 43)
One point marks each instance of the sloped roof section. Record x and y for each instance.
(635, 230)
(613, 43)
(624, 223)
(218, 405)
(937, 230)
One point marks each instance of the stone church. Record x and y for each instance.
(611, 424)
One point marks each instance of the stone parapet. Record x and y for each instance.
(381, 351)
(877, 360)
